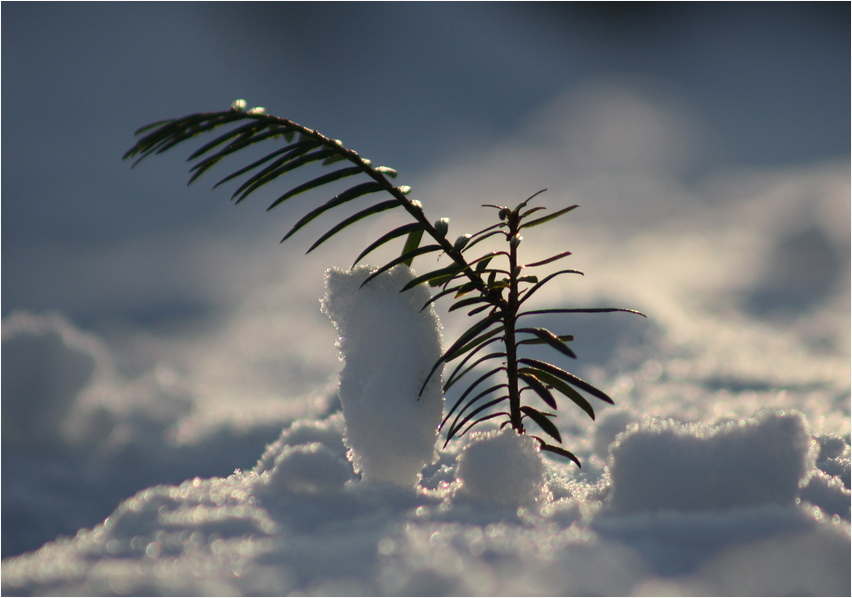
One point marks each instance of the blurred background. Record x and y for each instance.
(412, 85)
(154, 332)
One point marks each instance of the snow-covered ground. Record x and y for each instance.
(723, 468)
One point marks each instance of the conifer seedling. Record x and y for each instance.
(495, 287)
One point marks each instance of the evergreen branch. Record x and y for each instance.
(473, 283)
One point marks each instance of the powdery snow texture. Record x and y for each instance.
(736, 464)
(309, 458)
(388, 345)
(293, 524)
(503, 467)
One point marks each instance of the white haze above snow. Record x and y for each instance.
(723, 468)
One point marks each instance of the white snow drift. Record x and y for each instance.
(682, 508)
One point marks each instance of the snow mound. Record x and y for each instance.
(663, 464)
(689, 496)
(828, 493)
(388, 345)
(834, 457)
(328, 432)
(308, 458)
(308, 468)
(503, 467)
(166, 540)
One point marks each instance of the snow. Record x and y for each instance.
(240, 459)
(678, 508)
(389, 346)
(73, 358)
(503, 467)
(733, 464)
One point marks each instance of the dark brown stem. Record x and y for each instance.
(510, 315)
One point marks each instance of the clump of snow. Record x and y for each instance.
(308, 468)
(834, 457)
(828, 493)
(308, 458)
(503, 467)
(663, 464)
(327, 432)
(388, 345)
(688, 496)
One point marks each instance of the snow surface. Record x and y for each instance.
(723, 468)
(675, 507)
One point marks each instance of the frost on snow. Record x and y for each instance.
(388, 345)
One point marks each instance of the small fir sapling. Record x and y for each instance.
(493, 286)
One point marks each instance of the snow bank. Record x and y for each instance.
(388, 345)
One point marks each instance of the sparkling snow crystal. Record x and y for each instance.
(389, 346)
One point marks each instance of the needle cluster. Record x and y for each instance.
(494, 286)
